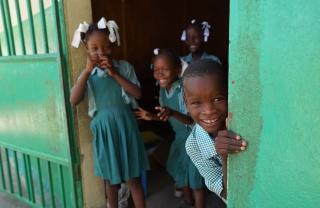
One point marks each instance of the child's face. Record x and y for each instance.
(207, 102)
(194, 39)
(164, 71)
(99, 44)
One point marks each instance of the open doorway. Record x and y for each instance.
(146, 25)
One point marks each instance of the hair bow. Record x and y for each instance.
(112, 27)
(77, 34)
(184, 65)
(206, 32)
(156, 51)
(102, 24)
(183, 35)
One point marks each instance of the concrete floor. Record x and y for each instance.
(160, 194)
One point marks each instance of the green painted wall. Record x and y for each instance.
(274, 101)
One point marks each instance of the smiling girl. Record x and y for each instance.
(166, 70)
(195, 36)
(112, 88)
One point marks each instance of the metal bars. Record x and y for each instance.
(27, 29)
(5, 26)
(31, 27)
(19, 22)
(42, 183)
(44, 26)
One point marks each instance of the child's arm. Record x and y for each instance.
(129, 87)
(226, 143)
(77, 92)
(145, 115)
(166, 112)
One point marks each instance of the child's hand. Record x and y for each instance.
(92, 62)
(105, 62)
(165, 112)
(142, 114)
(228, 142)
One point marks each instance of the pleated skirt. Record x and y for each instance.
(119, 152)
(180, 166)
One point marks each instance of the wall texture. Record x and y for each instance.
(274, 103)
(92, 186)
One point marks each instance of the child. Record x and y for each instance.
(167, 68)
(111, 85)
(206, 96)
(195, 37)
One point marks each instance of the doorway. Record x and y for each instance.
(146, 25)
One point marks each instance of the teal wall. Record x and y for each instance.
(274, 103)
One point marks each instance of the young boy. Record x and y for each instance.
(206, 96)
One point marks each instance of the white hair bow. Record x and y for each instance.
(77, 34)
(184, 65)
(102, 24)
(205, 28)
(183, 35)
(112, 27)
(206, 32)
(156, 51)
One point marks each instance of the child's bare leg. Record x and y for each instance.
(136, 192)
(200, 197)
(112, 194)
(187, 194)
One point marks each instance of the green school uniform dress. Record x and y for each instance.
(179, 165)
(119, 152)
(189, 59)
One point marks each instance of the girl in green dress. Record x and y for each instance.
(195, 36)
(167, 67)
(112, 88)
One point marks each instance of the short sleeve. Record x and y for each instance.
(127, 71)
(209, 169)
(86, 88)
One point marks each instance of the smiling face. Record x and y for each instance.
(98, 43)
(164, 71)
(206, 98)
(195, 39)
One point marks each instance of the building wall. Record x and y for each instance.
(92, 186)
(274, 103)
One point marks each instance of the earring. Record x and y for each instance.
(157, 83)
